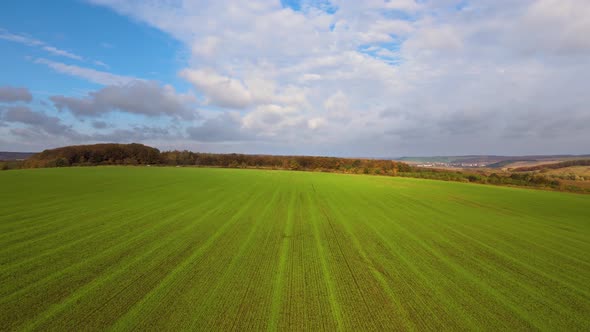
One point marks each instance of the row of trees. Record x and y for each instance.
(97, 154)
(345, 165)
(138, 154)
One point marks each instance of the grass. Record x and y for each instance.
(189, 248)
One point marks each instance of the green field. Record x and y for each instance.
(150, 248)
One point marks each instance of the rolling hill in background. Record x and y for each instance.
(15, 155)
(491, 161)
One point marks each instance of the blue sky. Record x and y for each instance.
(97, 34)
(342, 77)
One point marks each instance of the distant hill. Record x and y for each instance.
(563, 164)
(492, 161)
(506, 163)
(9, 156)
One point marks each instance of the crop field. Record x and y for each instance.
(149, 248)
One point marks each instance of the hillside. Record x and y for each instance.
(490, 161)
(14, 156)
(563, 164)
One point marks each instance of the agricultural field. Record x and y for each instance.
(149, 248)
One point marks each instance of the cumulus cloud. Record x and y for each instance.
(10, 94)
(49, 124)
(137, 97)
(99, 124)
(48, 131)
(223, 128)
(271, 120)
(220, 90)
(337, 102)
(556, 26)
(32, 130)
(232, 93)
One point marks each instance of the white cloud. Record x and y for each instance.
(384, 31)
(337, 102)
(137, 97)
(207, 47)
(52, 50)
(314, 123)
(21, 39)
(63, 53)
(353, 7)
(270, 119)
(220, 90)
(92, 75)
(9, 94)
(30, 41)
(100, 64)
(310, 77)
(560, 26)
(432, 40)
(229, 92)
(226, 127)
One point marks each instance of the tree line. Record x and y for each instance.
(139, 154)
(96, 154)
